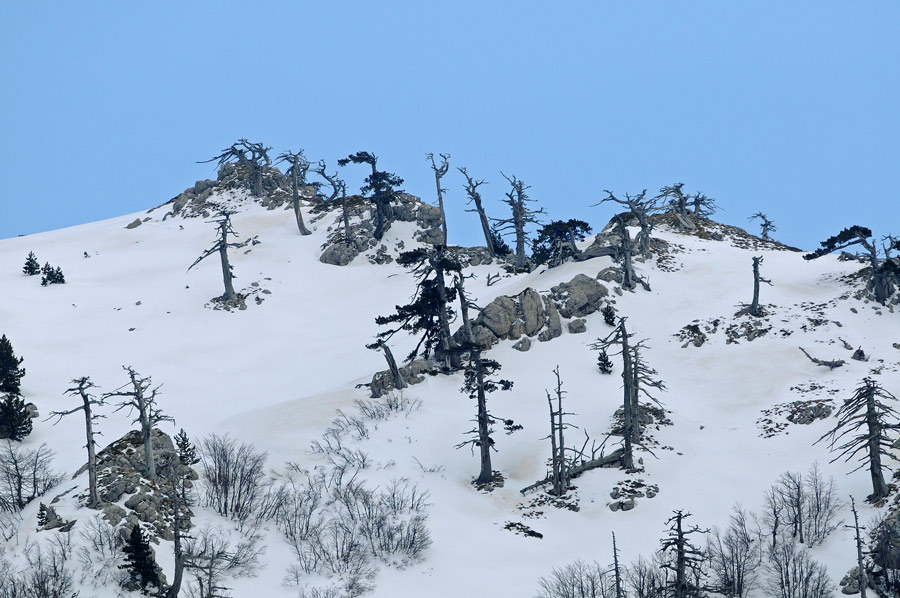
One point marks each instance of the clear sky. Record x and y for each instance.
(792, 108)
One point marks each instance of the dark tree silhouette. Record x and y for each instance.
(625, 253)
(32, 266)
(475, 197)
(686, 208)
(139, 561)
(221, 247)
(252, 157)
(338, 187)
(10, 372)
(766, 226)
(296, 172)
(754, 308)
(429, 313)
(862, 426)
(382, 187)
(885, 272)
(555, 242)
(15, 419)
(522, 216)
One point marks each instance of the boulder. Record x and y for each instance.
(579, 297)
(532, 310)
(577, 326)
(134, 223)
(554, 325)
(523, 345)
(498, 316)
(339, 254)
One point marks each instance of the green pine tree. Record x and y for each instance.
(15, 421)
(139, 561)
(10, 372)
(42, 515)
(609, 314)
(32, 266)
(187, 452)
(604, 363)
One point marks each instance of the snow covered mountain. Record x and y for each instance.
(277, 373)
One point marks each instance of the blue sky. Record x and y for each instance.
(786, 107)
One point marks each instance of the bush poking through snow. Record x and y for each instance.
(578, 580)
(794, 574)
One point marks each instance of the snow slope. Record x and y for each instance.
(275, 374)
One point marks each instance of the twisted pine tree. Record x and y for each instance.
(15, 421)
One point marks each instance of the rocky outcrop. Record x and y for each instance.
(341, 248)
(511, 318)
(579, 297)
(120, 466)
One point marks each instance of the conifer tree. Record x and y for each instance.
(555, 242)
(42, 515)
(604, 363)
(609, 314)
(10, 372)
(139, 561)
(32, 266)
(15, 421)
(381, 185)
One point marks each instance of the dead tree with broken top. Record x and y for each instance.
(439, 172)
(625, 255)
(141, 398)
(296, 172)
(475, 197)
(221, 247)
(754, 308)
(338, 187)
(766, 226)
(521, 217)
(82, 391)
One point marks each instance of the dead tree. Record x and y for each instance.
(625, 252)
(885, 272)
(522, 216)
(252, 157)
(439, 172)
(620, 590)
(142, 399)
(754, 308)
(338, 187)
(674, 196)
(685, 558)
(178, 472)
(642, 209)
(221, 247)
(637, 376)
(766, 225)
(862, 427)
(475, 197)
(382, 187)
(861, 577)
(81, 390)
(830, 364)
(297, 170)
(559, 463)
(703, 206)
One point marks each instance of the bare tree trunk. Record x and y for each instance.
(861, 577)
(484, 435)
(754, 305)
(629, 280)
(179, 551)
(485, 228)
(439, 172)
(399, 383)
(344, 215)
(879, 487)
(446, 340)
(628, 405)
(555, 474)
(296, 197)
(519, 224)
(93, 496)
(464, 308)
(226, 270)
(619, 591)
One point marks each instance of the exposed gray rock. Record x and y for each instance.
(134, 223)
(554, 325)
(498, 316)
(32, 410)
(383, 381)
(577, 326)
(611, 274)
(532, 309)
(579, 297)
(523, 344)
(339, 254)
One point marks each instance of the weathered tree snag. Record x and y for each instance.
(884, 273)
(251, 156)
(832, 364)
(862, 579)
(522, 216)
(643, 209)
(766, 225)
(299, 166)
(614, 458)
(382, 185)
(439, 172)
(337, 187)
(221, 247)
(148, 415)
(399, 382)
(81, 388)
(475, 197)
(624, 254)
(754, 309)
